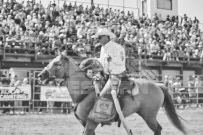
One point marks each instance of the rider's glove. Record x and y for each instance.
(109, 58)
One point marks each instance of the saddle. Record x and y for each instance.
(104, 110)
(126, 87)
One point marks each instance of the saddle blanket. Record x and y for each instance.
(103, 111)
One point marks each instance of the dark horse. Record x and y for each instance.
(146, 103)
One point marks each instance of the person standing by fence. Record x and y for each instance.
(5, 83)
(24, 103)
(199, 90)
(49, 96)
(177, 85)
(15, 82)
(191, 89)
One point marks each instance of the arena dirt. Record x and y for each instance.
(66, 124)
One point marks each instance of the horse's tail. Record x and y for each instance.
(170, 110)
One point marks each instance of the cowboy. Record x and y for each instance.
(112, 58)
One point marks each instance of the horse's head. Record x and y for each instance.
(57, 68)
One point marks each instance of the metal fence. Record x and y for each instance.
(28, 96)
(187, 97)
(34, 98)
(122, 5)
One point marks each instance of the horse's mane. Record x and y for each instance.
(73, 65)
(75, 78)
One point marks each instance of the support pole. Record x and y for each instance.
(92, 2)
(123, 5)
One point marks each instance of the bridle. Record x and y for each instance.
(51, 76)
(51, 73)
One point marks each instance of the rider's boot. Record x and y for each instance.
(120, 113)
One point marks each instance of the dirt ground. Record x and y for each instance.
(66, 124)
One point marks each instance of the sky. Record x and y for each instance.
(190, 7)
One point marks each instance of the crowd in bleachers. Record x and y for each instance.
(30, 25)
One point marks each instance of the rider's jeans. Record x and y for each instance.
(108, 86)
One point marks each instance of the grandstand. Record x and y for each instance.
(30, 35)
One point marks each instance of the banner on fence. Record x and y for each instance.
(55, 94)
(15, 93)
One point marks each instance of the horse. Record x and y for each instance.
(146, 103)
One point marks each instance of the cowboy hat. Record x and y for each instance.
(104, 31)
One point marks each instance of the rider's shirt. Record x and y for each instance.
(117, 55)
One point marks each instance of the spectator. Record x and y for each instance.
(5, 83)
(198, 85)
(24, 103)
(177, 85)
(15, 82)
(9, 41)
(49, 96)
(180, 34)
(191, 87)
(166, 80)
(170, 85)
(200, 94)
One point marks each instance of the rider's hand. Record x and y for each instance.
(109, 58)
(97, 95)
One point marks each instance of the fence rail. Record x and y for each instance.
(182, 96)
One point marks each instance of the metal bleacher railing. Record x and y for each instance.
(137, 55)
(121, 4)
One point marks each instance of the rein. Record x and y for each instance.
(51, 77)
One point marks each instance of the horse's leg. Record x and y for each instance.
(84, 108)
(90, 127)
(153, 125)
(150, 118)
(133, 106)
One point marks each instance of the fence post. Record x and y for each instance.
(197, 97)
